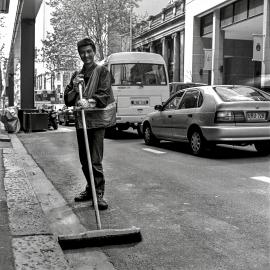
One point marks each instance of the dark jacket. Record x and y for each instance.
(103, 95)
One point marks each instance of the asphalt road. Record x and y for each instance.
(194, 213)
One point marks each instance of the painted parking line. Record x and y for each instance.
(261, 178)
(153, 151)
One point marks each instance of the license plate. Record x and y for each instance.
(139, 102)
(256, 116)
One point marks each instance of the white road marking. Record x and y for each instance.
(261, 178)
(153, 151)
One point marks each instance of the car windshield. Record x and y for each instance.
(240, 93)
(136, 74)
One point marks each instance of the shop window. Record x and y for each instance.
(207, 24)
(226, 15)
(255, 7)
(240, 10)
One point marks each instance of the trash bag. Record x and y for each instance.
(10, 119)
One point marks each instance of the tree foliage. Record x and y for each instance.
(102, 20)
(1, 44)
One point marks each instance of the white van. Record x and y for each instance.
(139, 82)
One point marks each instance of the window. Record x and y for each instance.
(242, 93)
(192, 99)
(226, 15)
(174, 102)
(240, 10)
(207, 24)
(138, 74)
(255, 7)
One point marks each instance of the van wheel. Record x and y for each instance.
(197, 142)
(149, 137)
(263, 147)
(110, 132)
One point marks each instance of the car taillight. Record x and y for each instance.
(229, 116)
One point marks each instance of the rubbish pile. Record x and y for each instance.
(10, 119)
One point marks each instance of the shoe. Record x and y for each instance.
(83, 197)
(102, 204)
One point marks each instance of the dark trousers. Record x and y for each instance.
(95, 140)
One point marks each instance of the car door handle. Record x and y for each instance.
(169, 116)
(190, 115)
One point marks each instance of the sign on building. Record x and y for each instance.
(257, 48)
(207, 59)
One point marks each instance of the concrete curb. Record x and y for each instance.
(34, 245)
(37, 214)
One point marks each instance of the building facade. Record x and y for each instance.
(163, 33)
(213, 42)
(228, 42)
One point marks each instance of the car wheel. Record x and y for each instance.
(263, 147)
(66, 123)
(139, 131)
(148, 136)
(197, 143)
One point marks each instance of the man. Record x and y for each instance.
(98, 95)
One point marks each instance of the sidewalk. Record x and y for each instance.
(32, 214)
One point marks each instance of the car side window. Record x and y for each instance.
(174, 102)
(192, 99)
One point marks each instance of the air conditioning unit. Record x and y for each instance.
(4, 6)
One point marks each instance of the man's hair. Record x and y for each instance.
(85, 42)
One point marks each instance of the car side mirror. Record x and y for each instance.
(158, 107)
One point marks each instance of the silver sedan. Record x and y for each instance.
(209, 115)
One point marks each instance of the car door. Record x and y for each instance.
(183, 116)
(161, 125)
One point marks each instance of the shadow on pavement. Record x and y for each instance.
(218, 152)
(123, 135)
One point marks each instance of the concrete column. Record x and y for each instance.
(152, 48)
(197, 46)
(182, 55)
(176, 57)
(165, 50)
(27, 63)
(217, 49)
(265, 82)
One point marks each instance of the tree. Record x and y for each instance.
(2, 58)
(71, 21)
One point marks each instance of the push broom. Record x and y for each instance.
(99, 237)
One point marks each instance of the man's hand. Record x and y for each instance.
(86, 103)
(78, 80)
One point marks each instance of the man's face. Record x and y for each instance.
(87, 54)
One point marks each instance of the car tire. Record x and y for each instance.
(139, 130)
(66, 123)
(263, 147)
(148, 136)
(197, 142)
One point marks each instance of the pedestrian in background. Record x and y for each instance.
(98, 96)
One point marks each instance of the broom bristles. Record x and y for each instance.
(100, 238)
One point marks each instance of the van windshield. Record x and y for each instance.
(138, 74)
